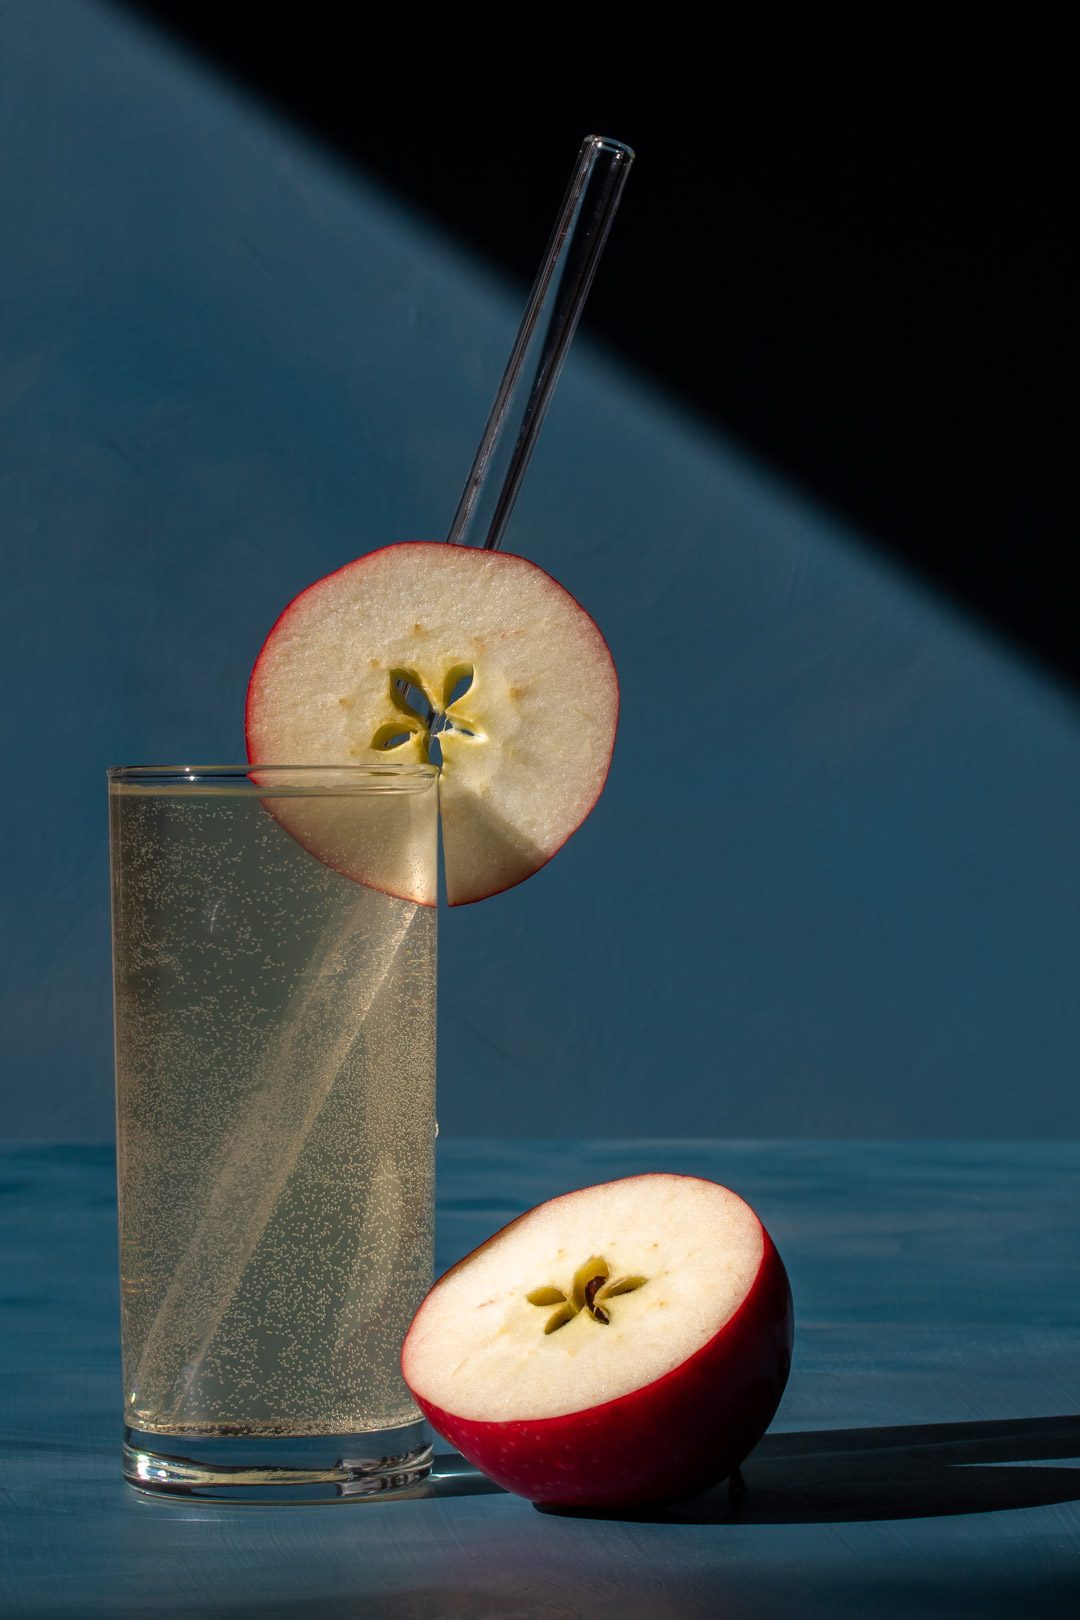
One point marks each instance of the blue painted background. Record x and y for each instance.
(833, 887)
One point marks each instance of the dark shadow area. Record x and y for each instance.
(863, 276)
(844, 1476)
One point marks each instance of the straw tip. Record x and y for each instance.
(617, 149)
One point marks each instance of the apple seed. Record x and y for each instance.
(592, 1288)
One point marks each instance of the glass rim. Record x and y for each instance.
(405, 776)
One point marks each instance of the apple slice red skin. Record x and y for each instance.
(286, 613)
(667, 1441)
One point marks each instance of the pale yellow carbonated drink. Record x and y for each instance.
(275, 1063)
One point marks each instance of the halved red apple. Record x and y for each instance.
(621, 1346)
(483, 650)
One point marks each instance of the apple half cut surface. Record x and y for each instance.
(619, 1347)
(483, 652)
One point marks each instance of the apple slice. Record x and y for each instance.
(503, 667)
(620, 1346)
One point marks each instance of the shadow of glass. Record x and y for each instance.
(843, 1476)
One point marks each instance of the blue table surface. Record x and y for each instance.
(925, 1460)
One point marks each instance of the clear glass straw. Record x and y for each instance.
(547, 328)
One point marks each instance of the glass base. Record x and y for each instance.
(308, 1468)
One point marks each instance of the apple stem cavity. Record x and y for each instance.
(592, 1286)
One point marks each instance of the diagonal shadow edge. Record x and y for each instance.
(992, 556)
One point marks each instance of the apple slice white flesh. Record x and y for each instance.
(622, 1345)
(526, 745)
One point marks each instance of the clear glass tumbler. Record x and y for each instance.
(275, 1078)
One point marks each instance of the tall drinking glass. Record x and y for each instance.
(275, 1077)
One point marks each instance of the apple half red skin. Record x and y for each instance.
(662, 1443)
